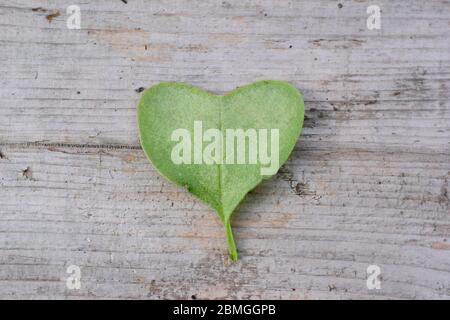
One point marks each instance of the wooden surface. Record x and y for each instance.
(366, 185)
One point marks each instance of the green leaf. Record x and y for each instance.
(221, 184)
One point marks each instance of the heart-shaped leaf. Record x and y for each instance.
(220, 147)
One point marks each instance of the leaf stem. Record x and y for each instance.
(230, 241)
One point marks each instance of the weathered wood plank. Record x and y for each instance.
(367, 183)
(78, 86)
(136, 236)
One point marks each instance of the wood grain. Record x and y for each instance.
(367, 183)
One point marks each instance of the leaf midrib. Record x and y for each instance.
(222, 213)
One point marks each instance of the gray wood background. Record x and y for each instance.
(366, 185)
